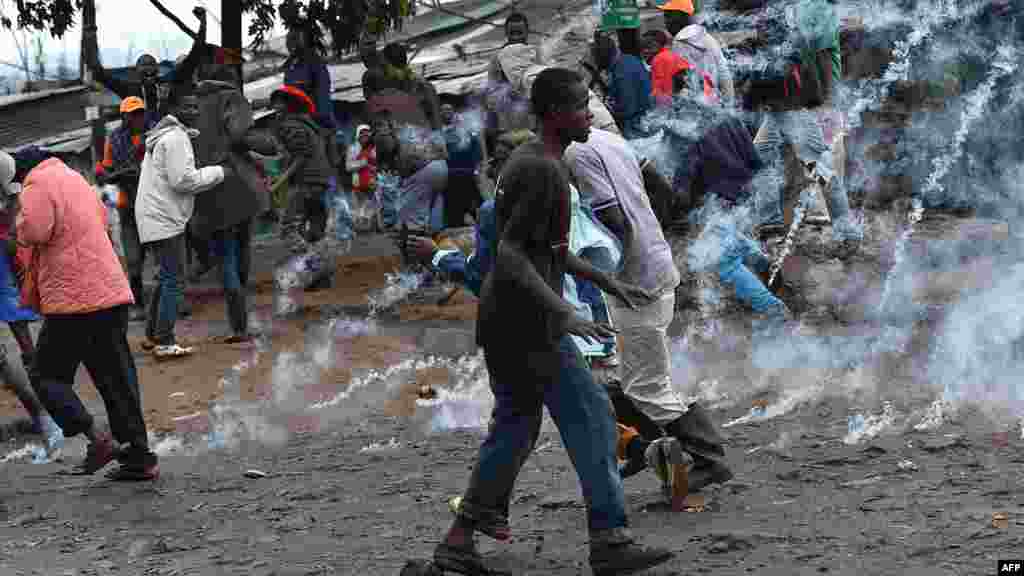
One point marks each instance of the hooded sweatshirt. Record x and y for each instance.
(704, 52)
(169, 181)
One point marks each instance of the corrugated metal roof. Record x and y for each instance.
(20, 98)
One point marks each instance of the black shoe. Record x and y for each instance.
(625, 558)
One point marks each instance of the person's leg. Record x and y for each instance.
(21, 387)
(60, 348)
(747, 286)
(315, 211)
(583, 414)
(646, 359)
(133, 260)
(231, 279)
(293, 223)
(111, 366)
(153, 307)
(515, 424)
(244, 235)
(769, 144)
(169, 254)
(575, 399)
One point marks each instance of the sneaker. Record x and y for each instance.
(672, 466)
(172, 351)
(97, 456)
(625, 557)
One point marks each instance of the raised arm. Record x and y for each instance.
(123, 88)
(187, 68)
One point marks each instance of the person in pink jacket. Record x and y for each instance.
(85, 299)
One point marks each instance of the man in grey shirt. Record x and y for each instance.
(609, 176)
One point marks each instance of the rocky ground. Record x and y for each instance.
(361, 485)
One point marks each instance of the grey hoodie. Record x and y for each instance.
(169, 181)
(703, 51)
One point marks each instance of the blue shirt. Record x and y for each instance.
(629, 88)
(464, 152)
(472, 270)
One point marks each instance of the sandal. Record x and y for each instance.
(168, 351)
(459, 560)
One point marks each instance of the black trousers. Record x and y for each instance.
(461, 198)
(98, 340)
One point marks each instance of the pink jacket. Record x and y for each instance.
(62, 219)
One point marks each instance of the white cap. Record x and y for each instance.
(362, 127)
(7, 170)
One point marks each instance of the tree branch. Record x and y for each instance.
(170, 16)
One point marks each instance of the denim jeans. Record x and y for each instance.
(522, 384)
(740, 254)
(589, 293)
(233, 246)
(163, 305)
(803, 130)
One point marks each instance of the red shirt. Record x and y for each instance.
(664, 65)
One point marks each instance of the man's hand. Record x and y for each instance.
(420, 247)
(633, 296)
(200, 13)
(589, 331)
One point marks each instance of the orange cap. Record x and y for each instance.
(131, 104)
(677, 6)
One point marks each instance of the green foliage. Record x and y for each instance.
(343, 20)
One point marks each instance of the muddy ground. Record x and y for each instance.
(363, 491)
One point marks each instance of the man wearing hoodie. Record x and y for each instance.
(701, 50)
(225, 214)
(168, 185)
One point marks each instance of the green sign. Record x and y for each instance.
(618, 14)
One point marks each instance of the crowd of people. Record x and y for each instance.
(571, 261)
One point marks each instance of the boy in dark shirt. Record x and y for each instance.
(523, 326)
(309, 171)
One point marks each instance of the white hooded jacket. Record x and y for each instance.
(169, 181)
(703, 51)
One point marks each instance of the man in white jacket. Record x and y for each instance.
(167, 187)
(692, 41)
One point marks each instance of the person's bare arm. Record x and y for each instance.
(659, 193)
(183, 72)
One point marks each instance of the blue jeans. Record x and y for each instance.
(524, 382)
(233, 246)
(589, 293)
(740, 254)
(163, 306)
(801, 129)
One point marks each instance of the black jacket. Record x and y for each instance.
(226, 136)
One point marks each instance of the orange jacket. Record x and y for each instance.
(62, 219)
